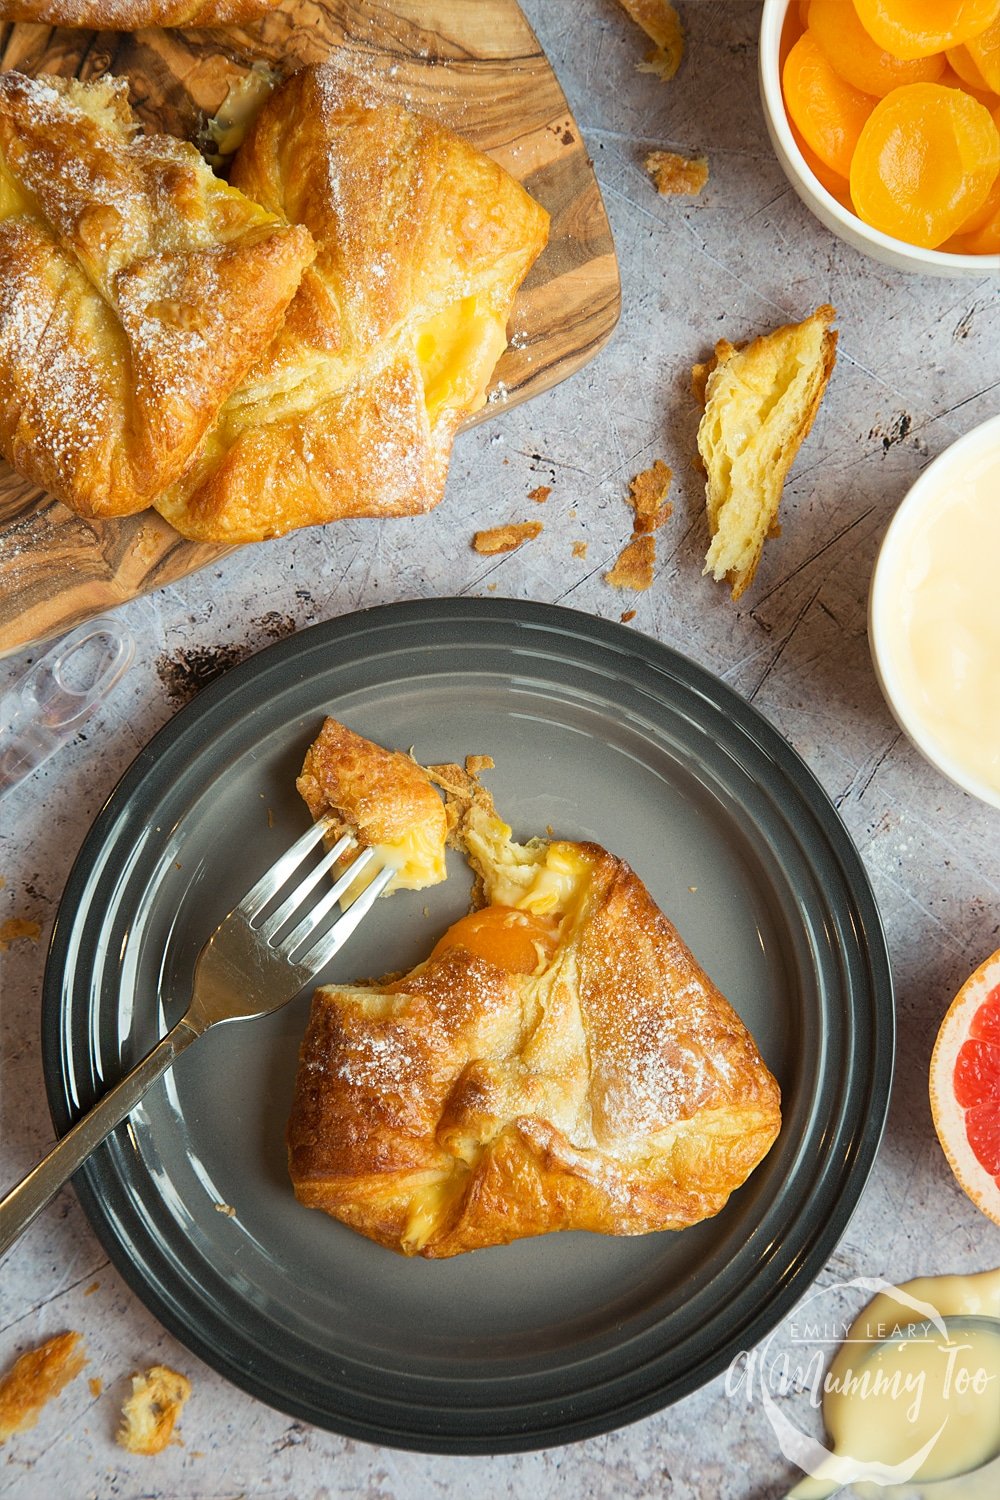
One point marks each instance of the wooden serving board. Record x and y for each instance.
(474, 64)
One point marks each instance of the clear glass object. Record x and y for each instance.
(52, 700)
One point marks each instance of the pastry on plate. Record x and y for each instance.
(559, 1061)
(136, 290)
(130, 15)
(392, 338)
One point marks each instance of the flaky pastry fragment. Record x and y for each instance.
(760, 402)
(35, 1378)
(675, 175)
(150, 1414)
(633, 567)
(383, 797)
(136, 290)
(130, 15)
(661, 23)
(560, 1061)
(506, 538)
(392, 338)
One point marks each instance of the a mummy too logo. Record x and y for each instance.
(903, 1392)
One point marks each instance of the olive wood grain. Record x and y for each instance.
(474, 64)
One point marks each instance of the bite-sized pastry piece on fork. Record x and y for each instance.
(136, 290)
(394, 333)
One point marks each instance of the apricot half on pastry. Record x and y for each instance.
(390, 343)
(136, 290)
(559, 1061)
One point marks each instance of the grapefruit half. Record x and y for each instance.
(965, 1086)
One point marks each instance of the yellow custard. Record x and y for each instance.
(935, 613)
(888, 1398)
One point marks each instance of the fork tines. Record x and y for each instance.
(272, 883)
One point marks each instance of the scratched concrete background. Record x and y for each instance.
(917, 367)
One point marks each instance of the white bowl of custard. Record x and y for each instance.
(934, 613)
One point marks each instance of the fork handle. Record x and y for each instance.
(31, 1194)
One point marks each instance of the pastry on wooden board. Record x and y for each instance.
(130, 15)
(136, 290)
(560, 1061)
(760, 401)
(389, 344)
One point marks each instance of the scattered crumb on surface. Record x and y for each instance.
(634, 568)
(540, 494)
(96, 1385)
(662, 25)
(225, 1208)
(92, 1288)
(676, 176)
(16, 928)
(692, 889)
(506, 538)
(626, 615)
(35, 1378)
(648, 498)
(150, 1413)
(491, 588)
(580, 549)
(270, 818)
(476, 763)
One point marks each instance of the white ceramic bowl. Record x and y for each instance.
(824, 205)
(883, 600)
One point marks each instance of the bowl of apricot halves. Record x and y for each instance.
(885, 115)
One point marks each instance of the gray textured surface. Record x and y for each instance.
(918, 366)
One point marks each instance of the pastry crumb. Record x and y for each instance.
(225, 1208)
(150, 1413)
(540, 493)
(96, 1385)
(94, 1286)
(476, 763)
(580, 549)
(648, 497)
(506, 538)
(16, 928)
(634, 568)
(677, 176)
(662, 25)
(627, 615)
(37, 1377)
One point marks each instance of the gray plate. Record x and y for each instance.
(597, 733)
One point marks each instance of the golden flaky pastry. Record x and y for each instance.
(760, 401)
(392, 338)
(130, 15)
(381, 796)
(136, 290)
(150, 1414)
(560, 1061)
(35, 1379)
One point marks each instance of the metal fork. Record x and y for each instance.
(247, 968)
